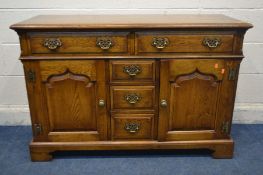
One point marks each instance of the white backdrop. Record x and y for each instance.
(13, 101)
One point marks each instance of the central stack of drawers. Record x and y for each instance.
(133, 99)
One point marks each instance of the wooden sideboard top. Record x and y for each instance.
(129, 21)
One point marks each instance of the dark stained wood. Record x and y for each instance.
(82, 97)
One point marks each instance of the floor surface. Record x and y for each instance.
(248, 158)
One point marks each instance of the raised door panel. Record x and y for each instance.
(193, 102)
(191, 90)
(71, 103)
(73, 90)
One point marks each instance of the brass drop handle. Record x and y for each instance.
(101, 103)
(52, 43)
(132, 127)
(104, 43)
(212, 42)
(132, 70)
(132, 98)
(160, 43)
(163, 103)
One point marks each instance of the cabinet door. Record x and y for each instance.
(189, 96)
(74, 95)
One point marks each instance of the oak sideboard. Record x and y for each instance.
(129, 82)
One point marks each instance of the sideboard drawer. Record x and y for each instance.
(80, 42)
(143, 71)
(183, 43)
(132, 97)
(132, 126)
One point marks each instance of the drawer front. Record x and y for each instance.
(179, 43)
(132, 71)
(132, 97)
(91, 43)
(132, 126)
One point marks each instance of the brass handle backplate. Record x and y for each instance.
(101, 103)
(132, 127)
(163, 103)
(104, 43)
(212, 42)
(160, 43)
(132, 98)
(52, 43)
(132, 70)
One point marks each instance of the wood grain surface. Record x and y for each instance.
(132, 95)
(129, 21)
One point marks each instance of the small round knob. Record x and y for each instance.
(101, 103)
(163, 103)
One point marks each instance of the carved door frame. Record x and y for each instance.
(171, 77)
